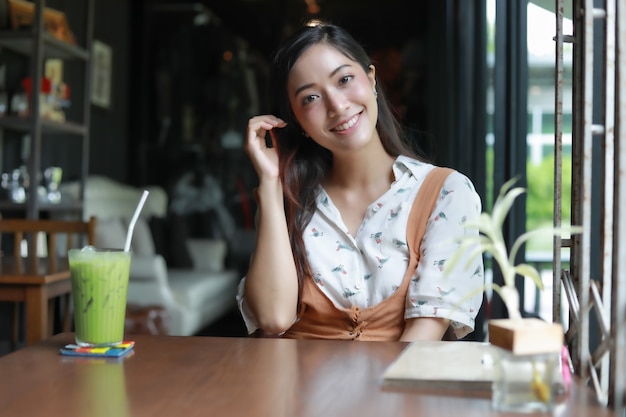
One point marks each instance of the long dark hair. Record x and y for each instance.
(304, 163)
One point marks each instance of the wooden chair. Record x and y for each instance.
(47, 242)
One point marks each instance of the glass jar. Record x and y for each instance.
(526, 383)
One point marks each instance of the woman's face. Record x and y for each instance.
(333, 99)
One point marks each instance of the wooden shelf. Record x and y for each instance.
(31, 47)
(23, 124)
(6, 205)
(21, 41)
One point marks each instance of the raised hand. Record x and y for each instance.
(264, 158)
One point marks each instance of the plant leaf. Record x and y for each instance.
(507, 185)
(503, 204)
(530, 271)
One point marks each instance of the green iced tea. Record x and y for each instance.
(99, 288)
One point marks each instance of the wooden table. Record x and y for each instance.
(233, 377)
(34, 288)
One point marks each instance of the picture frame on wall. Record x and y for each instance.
(101, 74)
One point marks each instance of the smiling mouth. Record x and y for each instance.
(348, 124)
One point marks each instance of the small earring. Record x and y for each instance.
(306, 135)
(376, 93)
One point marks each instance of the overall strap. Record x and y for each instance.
(423, 206)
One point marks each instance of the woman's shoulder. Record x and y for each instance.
(459, 179)
(458, 190)
(420, 169)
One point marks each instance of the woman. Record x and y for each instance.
(336, 253)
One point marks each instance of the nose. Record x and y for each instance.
(336, 103)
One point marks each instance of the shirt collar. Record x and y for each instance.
(404, 164)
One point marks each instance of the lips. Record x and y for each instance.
(348, 124)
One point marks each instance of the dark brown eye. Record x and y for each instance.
(345, 79)
(309, 99)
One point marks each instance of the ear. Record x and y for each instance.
(372, 75)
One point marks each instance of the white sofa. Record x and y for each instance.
(192, 297)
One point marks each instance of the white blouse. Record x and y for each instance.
(366, 269)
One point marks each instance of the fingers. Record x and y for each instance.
(264, 155)
(270, 119)
(258, 126)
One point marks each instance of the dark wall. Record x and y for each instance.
(109, 127)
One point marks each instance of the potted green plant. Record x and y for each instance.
(527, 347)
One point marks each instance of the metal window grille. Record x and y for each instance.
(597, 299)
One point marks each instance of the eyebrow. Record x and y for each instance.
(305, 86)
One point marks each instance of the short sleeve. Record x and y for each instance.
(246, 314)
(457, 293)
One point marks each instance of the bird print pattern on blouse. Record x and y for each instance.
(365, 269)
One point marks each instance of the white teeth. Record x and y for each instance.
(347, 124)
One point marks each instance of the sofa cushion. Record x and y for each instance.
(208, 254)
(110, 233)
(106, 197)
(192, 288)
